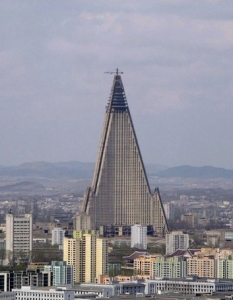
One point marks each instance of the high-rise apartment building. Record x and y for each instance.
(88, 255)
(18, 238)
(58, 235)
(139, 236)
(176, 240)
(120, 193)
(169, 209)
(72, 255)
(101, 259)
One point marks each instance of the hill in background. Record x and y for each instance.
(83, 170)
(196, 172)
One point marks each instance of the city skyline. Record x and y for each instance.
(176, 58)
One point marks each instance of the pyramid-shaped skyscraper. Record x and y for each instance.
(120, 193)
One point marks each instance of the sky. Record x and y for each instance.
(177, 59)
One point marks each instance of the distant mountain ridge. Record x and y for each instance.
(72, 169)
(187, 171)
(84, 170)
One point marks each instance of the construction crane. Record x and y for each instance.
(117, 72)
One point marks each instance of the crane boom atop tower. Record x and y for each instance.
(117, 72)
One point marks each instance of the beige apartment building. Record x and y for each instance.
(202, 266)
(101, 257)
(88, 255)
(143, 265)
(72, 254)
(202, 263)
(211, 263)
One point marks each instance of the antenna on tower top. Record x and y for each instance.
(117, 72)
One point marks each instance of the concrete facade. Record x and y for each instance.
(18, 238)
(169, 267)
(143, 264)
(187, 286)
(176, 240)
(28, 292)
(139, 236)
(58, 235)
(88, 255)
(62, 273)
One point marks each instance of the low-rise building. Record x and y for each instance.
(114, 288)
(7, 296)
(189, 285)
(32, 293)
(17, 279)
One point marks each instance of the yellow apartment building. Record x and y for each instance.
(88, 255)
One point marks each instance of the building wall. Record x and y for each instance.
(143, 265)
(88, 255)
(176, 240)
(58, 235)
(169, 267)
(18, 237)
(224, 268)
(201, 266)
(16, 279)
(186, 286)
(169, 209)
(189, 219)
(139, 236)
(62, 273)
(101, 257)
(31, 293)
(8, 296)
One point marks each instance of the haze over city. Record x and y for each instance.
(177, 62)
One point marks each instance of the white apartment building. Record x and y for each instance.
(32, 293)
(58, 235)
(18, 237)
(139, 236)
(169, 210)
(176, 240)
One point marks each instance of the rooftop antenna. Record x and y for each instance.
(117, 72)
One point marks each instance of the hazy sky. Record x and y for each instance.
(177, 58)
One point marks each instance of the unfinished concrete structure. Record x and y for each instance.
(120, 193)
